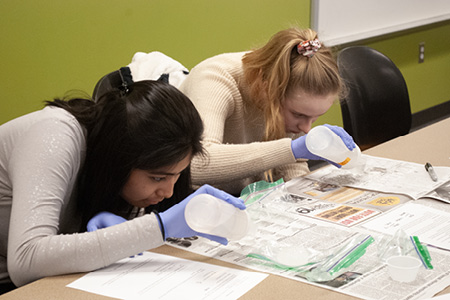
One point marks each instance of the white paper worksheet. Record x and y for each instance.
(430, 224)
(157, 276)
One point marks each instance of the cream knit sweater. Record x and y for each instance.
(234, 129)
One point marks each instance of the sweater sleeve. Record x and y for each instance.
(228, 162)
(291, 171)
(43, 168)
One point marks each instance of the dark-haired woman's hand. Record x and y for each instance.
(102, 220)
(174, 222)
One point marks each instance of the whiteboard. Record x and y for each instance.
(342, 21)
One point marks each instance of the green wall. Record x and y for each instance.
(51, 47)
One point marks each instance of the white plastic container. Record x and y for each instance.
(403, 268)
(207, 214)
(323, 142)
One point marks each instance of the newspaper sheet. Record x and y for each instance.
(390, 176)
(342, 205)
(313, 222)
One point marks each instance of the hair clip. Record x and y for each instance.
(127, 79)
(309, 48)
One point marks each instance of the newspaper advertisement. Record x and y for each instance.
(343, 205)
(296, 233)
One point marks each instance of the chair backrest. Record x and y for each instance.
(107, 83)
(376, 107)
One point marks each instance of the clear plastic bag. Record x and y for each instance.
(260, 190)
(341, 259)
(313, 264)
(400, 244)
(287, 257)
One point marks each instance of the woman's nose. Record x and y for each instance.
(166, 190)
(306, 125)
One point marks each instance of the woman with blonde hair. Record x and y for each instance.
(257, 107)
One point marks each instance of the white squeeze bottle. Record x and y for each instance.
(323, 142)
(207, 214)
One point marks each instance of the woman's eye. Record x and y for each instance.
(157, 179)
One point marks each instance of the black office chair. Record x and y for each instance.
(376, 107)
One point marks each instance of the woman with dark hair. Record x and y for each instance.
(79, 163)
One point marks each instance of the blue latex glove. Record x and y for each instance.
(102, 220)
(174, 222)
(301, 151)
